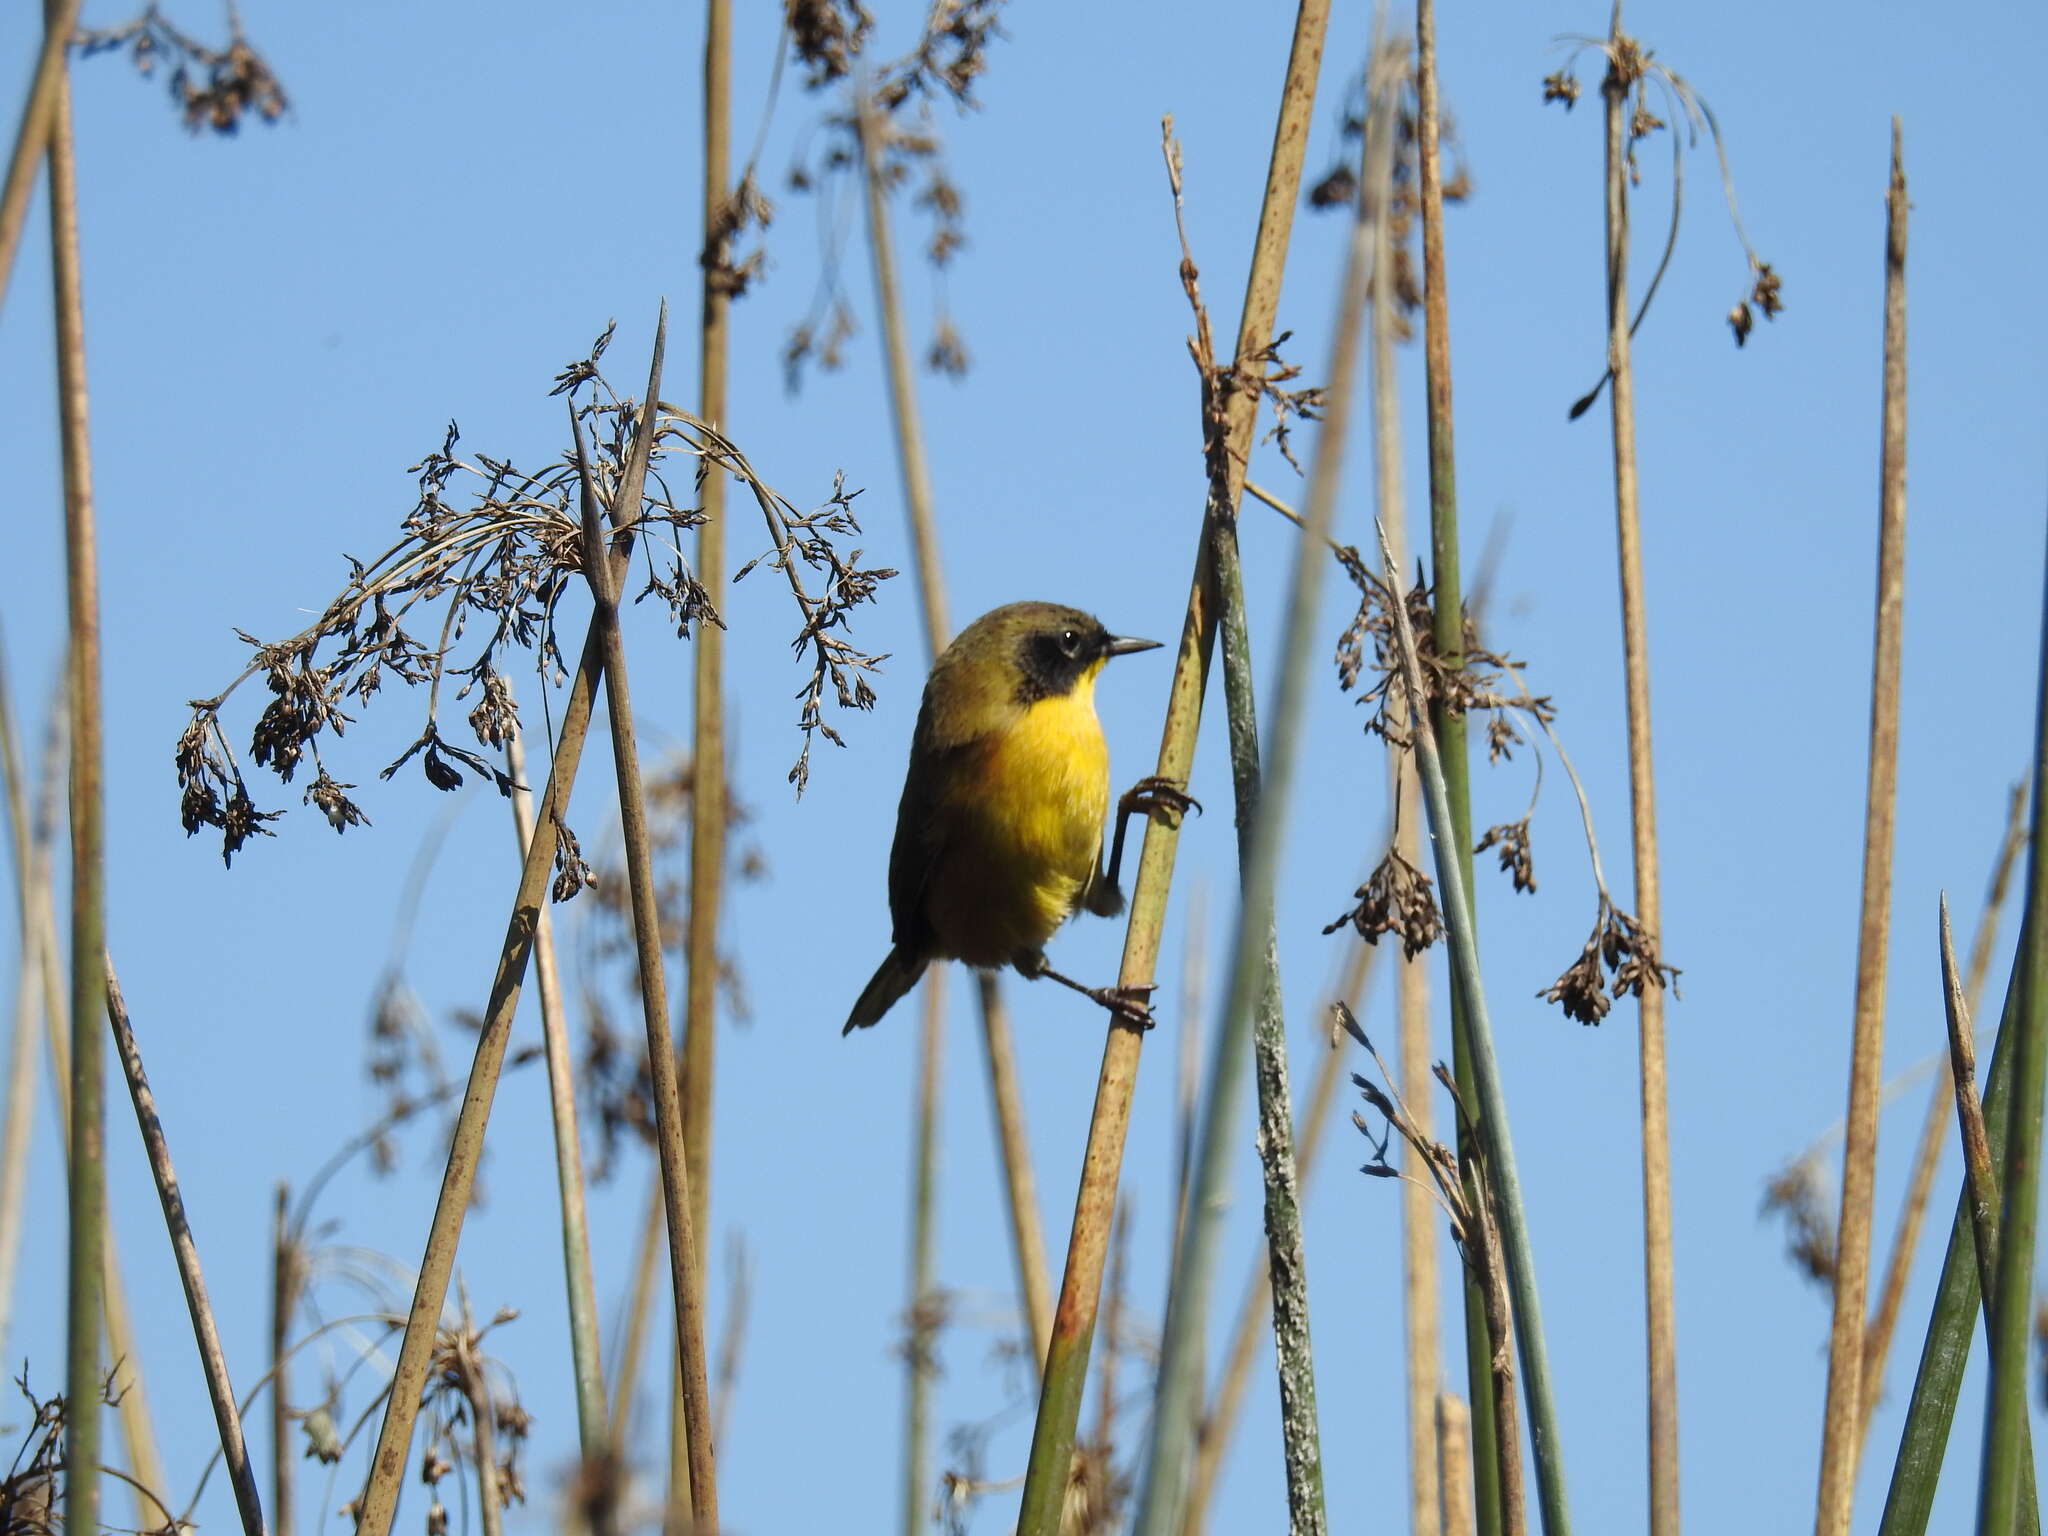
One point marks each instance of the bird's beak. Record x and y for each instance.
(1123, 645)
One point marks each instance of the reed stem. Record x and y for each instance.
(1660, 1311)
(1839, 1437)
(87, 1204)
(586, 1358)
(1448, 631)
(684, 1269)
(213, 1362)
(32, 134)
(1059, 1402)
(1544, 1442)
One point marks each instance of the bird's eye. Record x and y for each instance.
(1070, 642)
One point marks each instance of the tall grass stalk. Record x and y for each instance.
(1219, 1420)
(1839, 1435)
(138, 1432)
(586, 1359)
(639, 1306)
(21, 1041)
(87, 1203)
(1660, 1312)
(1059, 1401)
(1448, 631)
(1544, 1442)
(1454, 1463)
(707, 714)
(205, 1331)
(387, 1468)
(32, 133)
(1019, 1187)
(1877, 1337)
(685, 1272)
(1252, 1010)
(2008, 1447)
(1420, 1317)
(285, 1278)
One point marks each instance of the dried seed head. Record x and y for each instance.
(1799, 1193)
(1398, 898)
(1512, 840)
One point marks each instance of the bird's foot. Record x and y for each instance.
(1131, 1005)
(1159, 798)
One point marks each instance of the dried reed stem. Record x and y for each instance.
(87, 1205)
(1839, 1438)
(394, 1436)
(707, 720)
(921, 1316)
(1219, 1421)
(1877, 1337)
(1420, 1315)
(1059, 1403)
(586, 1359)
(32, 135)
(284, 1300)
(1503, 1180)
(1454, 1462)
(685, 1272)
(205, 1332)
(1019, 1187)
(132, 1407)
(1980, 1176)
(1027, 1232)
(1254, 1006)
(1448, 631)
(633, 1344)
(21, 1042)
(1660, 1313)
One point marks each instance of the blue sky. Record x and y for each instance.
(462, 197)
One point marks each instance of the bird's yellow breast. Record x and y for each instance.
(1025, 832)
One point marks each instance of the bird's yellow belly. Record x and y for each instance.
(1026, 835)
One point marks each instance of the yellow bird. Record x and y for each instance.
(999, 833)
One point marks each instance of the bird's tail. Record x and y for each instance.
(896, 976)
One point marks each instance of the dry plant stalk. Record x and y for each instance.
(129, 1394)
(32, 134)
(1660, 1311)
(87, 1202)
(212, 1359)
(1476, 1231)
(685, 1273)
(1421, 1323)
(707, 707)
(592, 1430)
(1840, 1439)
(1059, 1404)
(20, 1104)
(1219, 1421)
(285, 1281)
(1978, 1172)
(1454, 1462)
(1448, 632)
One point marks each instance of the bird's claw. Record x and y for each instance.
(1129, 1003)
(1159, 798)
